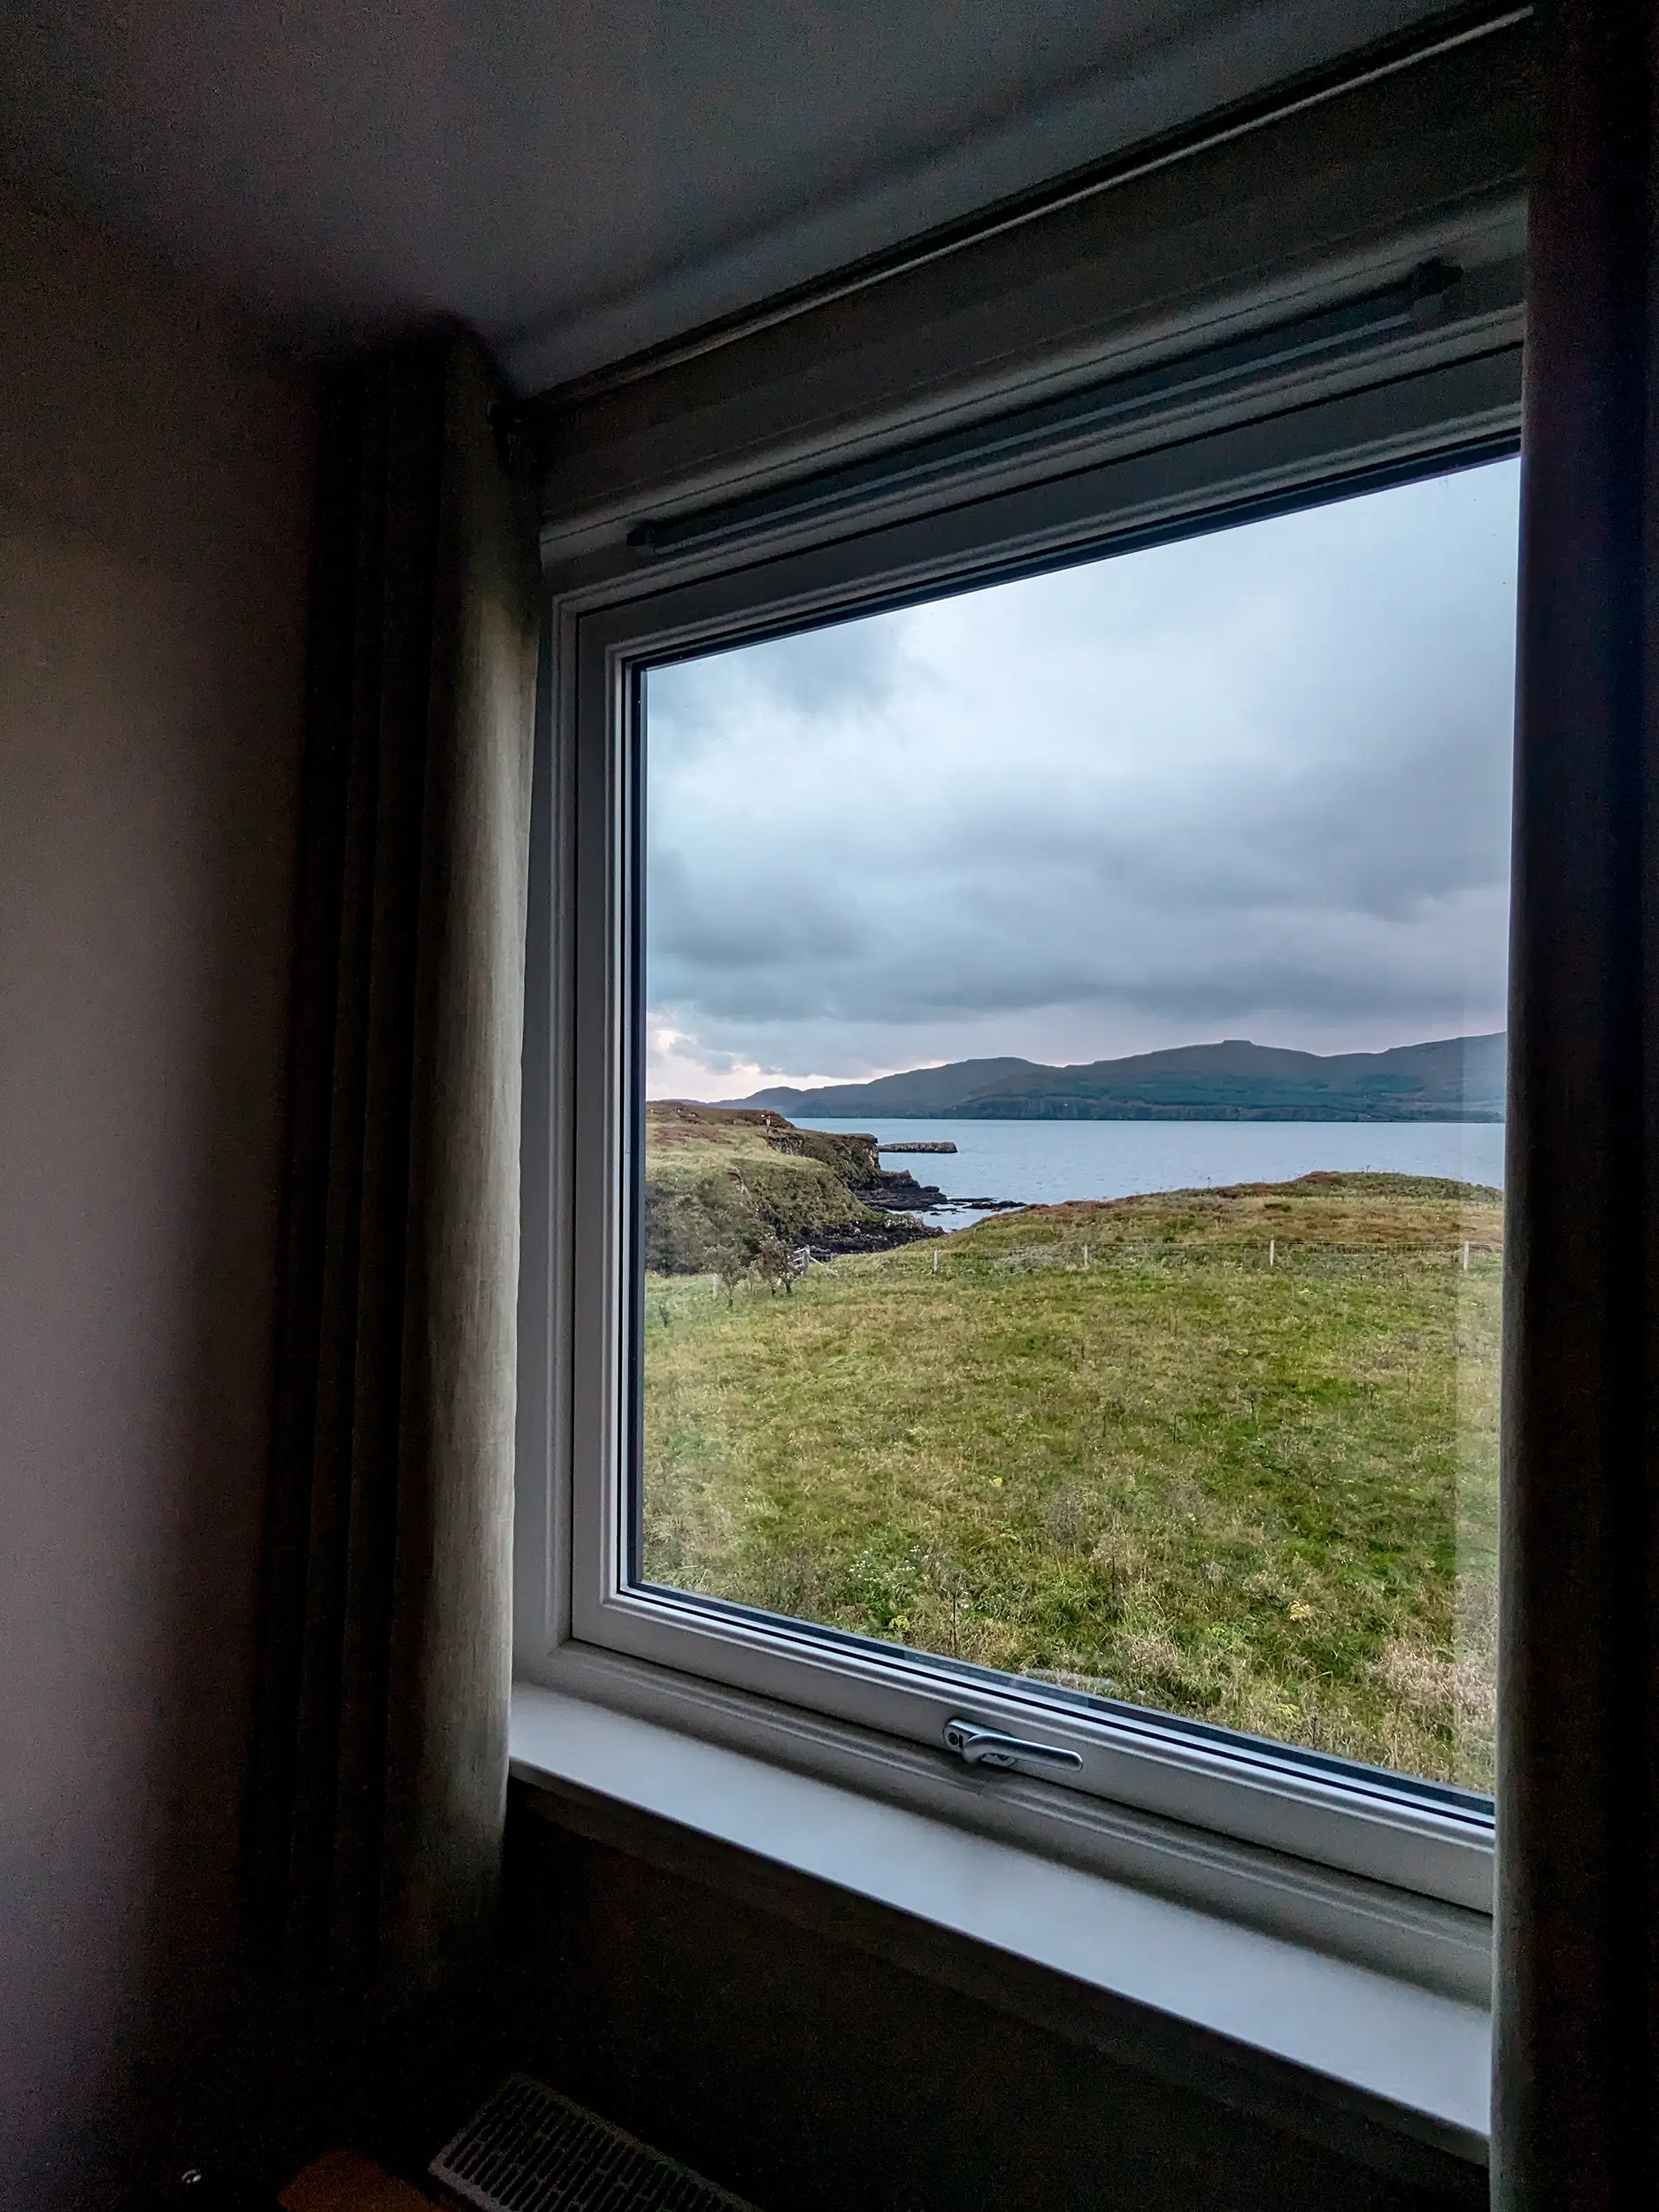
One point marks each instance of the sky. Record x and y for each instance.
(1253, 784)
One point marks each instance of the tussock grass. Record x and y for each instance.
(1263, 1497)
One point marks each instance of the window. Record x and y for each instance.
(1137, 830)
(1133, 1333)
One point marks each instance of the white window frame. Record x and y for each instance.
(1390, 1871)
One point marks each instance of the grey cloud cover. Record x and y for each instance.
(1252, 784)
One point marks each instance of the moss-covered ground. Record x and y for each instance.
(1110, 1444)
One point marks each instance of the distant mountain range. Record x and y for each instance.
(1455, 1079)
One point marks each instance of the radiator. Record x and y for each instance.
(528, 2149)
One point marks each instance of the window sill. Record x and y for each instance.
(1408, 2060)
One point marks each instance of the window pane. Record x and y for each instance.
(1072, 1227)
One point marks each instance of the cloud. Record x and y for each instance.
(1253, 783)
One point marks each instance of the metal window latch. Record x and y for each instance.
(977, 1746)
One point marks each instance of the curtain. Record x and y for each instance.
(1576, 2110)
(381, 1741)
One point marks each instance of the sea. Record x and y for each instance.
(1041, 1163)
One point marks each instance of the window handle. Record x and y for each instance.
(977, 1746)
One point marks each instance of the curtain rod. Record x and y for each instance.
(518, 420)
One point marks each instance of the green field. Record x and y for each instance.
(1108, 1444)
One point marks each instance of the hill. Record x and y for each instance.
(1450, 1079)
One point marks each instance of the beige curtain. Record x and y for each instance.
(381, 1767)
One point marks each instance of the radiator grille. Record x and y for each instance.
(530, 2150)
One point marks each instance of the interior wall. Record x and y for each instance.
(809, 2054)
(153, 501)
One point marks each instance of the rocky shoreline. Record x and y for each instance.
(840, 1244)
(899, 1192)
(733, 1191)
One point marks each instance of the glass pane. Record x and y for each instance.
(1073, 1227)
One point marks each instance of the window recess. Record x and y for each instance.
(1401, 378)
(1313, 201)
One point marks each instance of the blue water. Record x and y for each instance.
(1041, 1162)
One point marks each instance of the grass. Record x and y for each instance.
(1260, 1496)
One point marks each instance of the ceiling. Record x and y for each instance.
(578, 178)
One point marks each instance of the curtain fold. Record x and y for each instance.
(1576, 2083)
(382, 1743)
